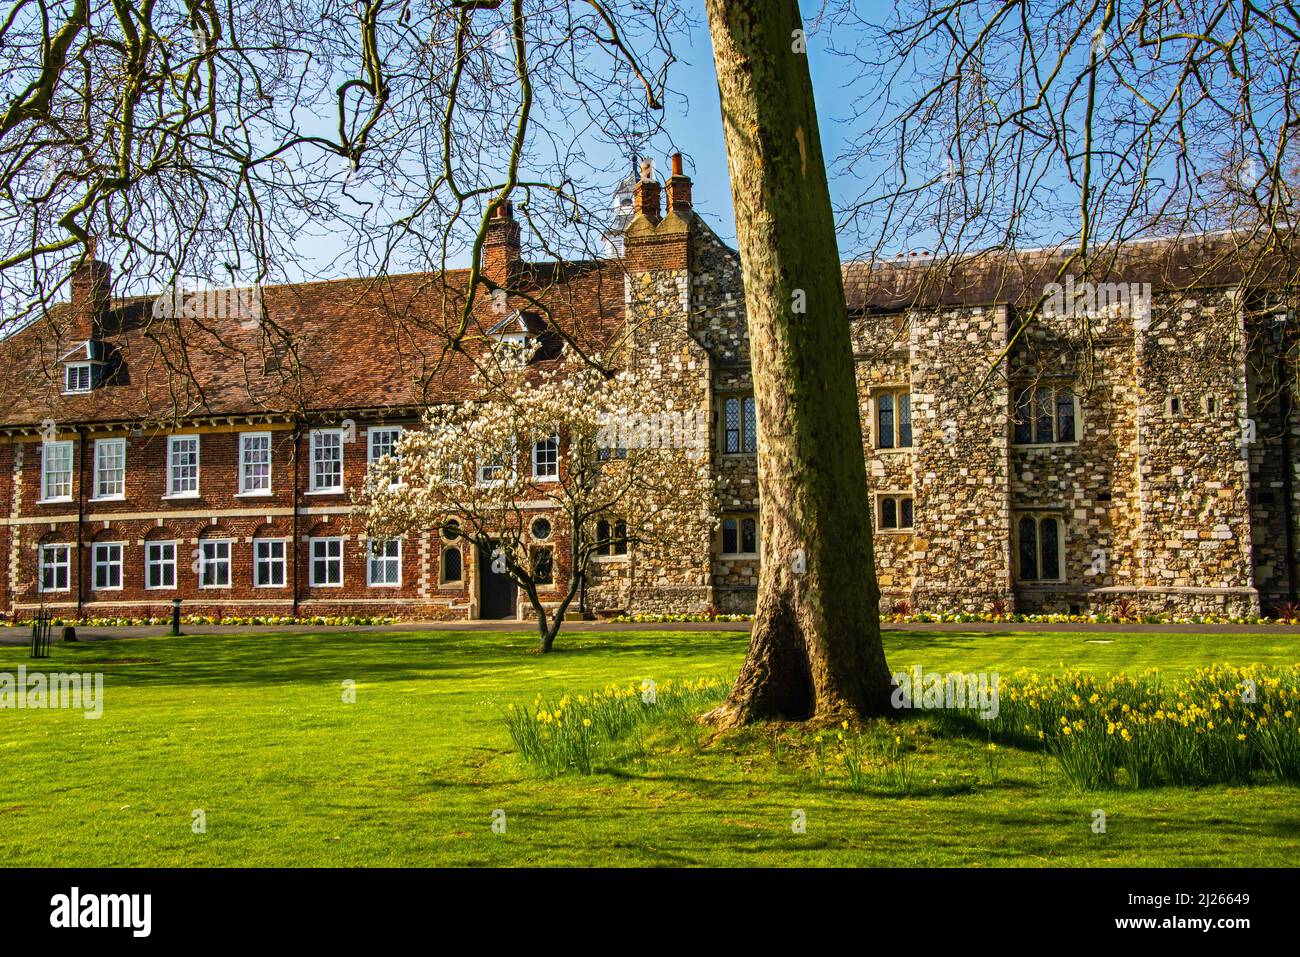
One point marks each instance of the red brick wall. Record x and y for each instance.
(217, 512)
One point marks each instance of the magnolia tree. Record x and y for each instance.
(600, 458)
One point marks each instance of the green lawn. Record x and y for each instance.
(253, 730)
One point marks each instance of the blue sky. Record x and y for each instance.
(693, 122)
(694, 118)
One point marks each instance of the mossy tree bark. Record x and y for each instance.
(816, 649)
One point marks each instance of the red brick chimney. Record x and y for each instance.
(654, 241)
(92, 286)
(646, 194)
(501, 245)
(679, 188)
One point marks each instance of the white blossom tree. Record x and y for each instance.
(617, 464)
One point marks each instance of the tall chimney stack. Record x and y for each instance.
(92, 286)
(679, 188)
(646, 194)
(501, 247)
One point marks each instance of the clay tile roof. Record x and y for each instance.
(333, 345)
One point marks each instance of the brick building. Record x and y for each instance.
(1139, 451)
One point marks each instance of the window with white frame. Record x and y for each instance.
(326, 562)
(255, 463)
(77, 377)
(490, 471)
(107, 566)
(56, 471)
(269, 562)
(214, 563)
(740, 425)
(327, 460)
(1046, 415)
(159, 565)
(110, 468)
(893, 419)
(383, 443)
(494, 469)
(1041, 546)
(740, 535)
(183, 465)
(384, 563)
(56, 567)
(546, 458)
(894, 512)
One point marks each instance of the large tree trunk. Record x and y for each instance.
(816, 648)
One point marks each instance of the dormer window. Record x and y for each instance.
(517, 347)
(77, 377)
(83, 367)
(520, 338)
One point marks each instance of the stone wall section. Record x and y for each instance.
(961, 547)
(1195, 547)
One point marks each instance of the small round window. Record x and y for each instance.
(541, 529)
(451, 530)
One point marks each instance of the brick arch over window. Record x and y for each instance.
(166, 557)
(325, 530)
(214, 563)
(108, 558)
(272, 555)
(63, 567)
(326, 559)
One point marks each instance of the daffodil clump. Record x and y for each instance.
(1222, 724)
(867, 759)
(566, 734)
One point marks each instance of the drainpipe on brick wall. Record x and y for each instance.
(81, 517)
(297, 439)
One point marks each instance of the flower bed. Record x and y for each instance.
(974, 617)
(327, 620)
